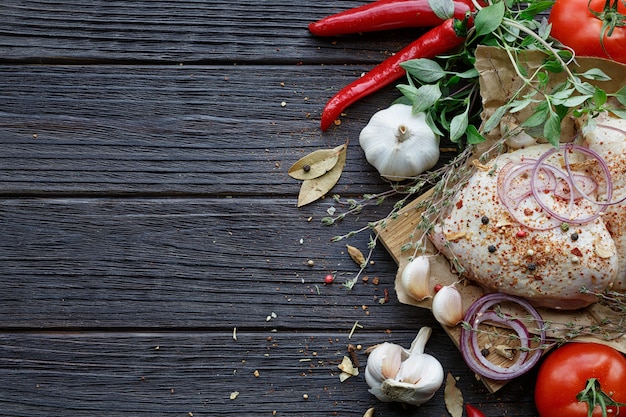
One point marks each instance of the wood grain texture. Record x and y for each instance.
(146, 212)
(182, 31)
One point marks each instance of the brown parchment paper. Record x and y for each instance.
(498, 81)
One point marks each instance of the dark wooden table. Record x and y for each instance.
(146, 215)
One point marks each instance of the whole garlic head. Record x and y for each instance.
(395, 374)
(398, 143)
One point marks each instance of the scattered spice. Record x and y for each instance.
(352, 352)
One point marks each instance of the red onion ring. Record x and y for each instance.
(479, 312)
(572, 185)
(512, 172)
(536, 177)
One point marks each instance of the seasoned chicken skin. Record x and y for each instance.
(608, 139)
(544, 264)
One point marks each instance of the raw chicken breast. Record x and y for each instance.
(546, 267)
(608, 139)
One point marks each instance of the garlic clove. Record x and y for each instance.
(415, 278)
(383, 363)
(447, 306)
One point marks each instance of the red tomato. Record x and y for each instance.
(565, 372)
(574, 25)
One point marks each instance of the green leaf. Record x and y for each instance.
(473, 135)
(538, 117)
(443, 9)
(425, 97)
(619, 112)
(574, 101)
(458, 125)
(489, 18)
(585, 88)
(553, 65)
(470, 73)
(519, 105)
(599, 97)
(552, 129)
(534, 8)
(494, 119)
(424, 69)
(621, 96)
(595, 74)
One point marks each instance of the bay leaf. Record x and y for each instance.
(453, 397)
(313, 189)
(315, 164)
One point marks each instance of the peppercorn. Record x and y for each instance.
(484, 352)
(531, 266)
(491, 248)
(574, 236)
(484, 220)
(306, 168)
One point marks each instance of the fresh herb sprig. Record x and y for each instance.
(515, 27)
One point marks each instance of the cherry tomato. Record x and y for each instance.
(328, 279)
(473, 411)
(569, 370)
(575, 25)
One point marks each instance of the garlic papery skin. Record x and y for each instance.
(415, 278)
(416, 381)
(398, 143)
(447, 306)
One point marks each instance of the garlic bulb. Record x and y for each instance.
(398, 143)
(448, 306)
(395, 374)
(415, 278)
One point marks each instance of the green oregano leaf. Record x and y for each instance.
(599, 97)
(595, 74)
(443, 9)
(494, 119)
(538, 117)
(458, 125)
(489, 18)
(552, 129)
(424, 69)
(425, 97)
(621, 96)
(575, 101)
(473, 135)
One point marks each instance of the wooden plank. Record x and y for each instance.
(180, 262)
(172, 129)
(183, 31)
(185, 373)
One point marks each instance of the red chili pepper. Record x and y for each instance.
(439, 40)
(384, 15)
(473, 412)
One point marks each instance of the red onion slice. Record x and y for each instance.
(574, 184)
(478, 313)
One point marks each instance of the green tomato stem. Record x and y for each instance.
(594, 396)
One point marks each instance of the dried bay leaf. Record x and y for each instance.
(453, 397)
(315, 164)
(356, 255)
(316, 188)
